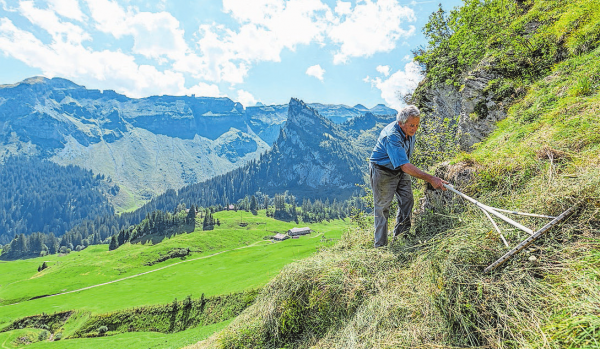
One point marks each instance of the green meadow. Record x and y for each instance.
(131, 340)
(231, 258)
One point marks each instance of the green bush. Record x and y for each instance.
(43, 335)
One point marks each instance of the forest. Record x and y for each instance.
(40, 196)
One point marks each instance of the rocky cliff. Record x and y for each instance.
(477, 107)
(318, 153)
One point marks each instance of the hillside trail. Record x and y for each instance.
(144, 273)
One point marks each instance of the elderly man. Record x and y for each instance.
(390, 171)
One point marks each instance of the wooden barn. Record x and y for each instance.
(280, 237)
(298, 231)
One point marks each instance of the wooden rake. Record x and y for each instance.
(496, 212)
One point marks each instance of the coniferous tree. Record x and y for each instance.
(191, 216)
(113, 243)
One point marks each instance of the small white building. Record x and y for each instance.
(298, 231)
(280, 237)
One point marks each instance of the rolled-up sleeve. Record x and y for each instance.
(395, 151)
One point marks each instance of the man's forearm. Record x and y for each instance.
(412, 170)
(416, 172)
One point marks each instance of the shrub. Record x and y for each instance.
(43, 335)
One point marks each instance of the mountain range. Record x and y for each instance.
(312, 158)
(146, 145)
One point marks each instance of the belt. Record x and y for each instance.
(387, 169)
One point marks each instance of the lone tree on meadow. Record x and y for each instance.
(113, 243)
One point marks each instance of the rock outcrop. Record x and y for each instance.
(317, 152)
(477, 106)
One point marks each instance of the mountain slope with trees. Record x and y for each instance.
(40, 196)
(312, 158)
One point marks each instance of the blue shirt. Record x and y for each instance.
(393, 148)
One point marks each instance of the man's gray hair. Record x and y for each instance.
(406, 113)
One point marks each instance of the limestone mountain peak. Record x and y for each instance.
(300, 114)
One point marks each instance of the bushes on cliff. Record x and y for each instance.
(522, 39)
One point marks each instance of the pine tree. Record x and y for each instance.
(253, 204)
(191, 216)
(113, 243)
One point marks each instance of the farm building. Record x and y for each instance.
(280, 237)
(299, 231)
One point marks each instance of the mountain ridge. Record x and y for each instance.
(312, 158)
(146, 145)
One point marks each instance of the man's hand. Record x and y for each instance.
(438, 183)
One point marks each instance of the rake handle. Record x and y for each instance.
(529, 240)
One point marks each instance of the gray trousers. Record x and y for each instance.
(385, 185)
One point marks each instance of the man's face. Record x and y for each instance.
(411, 125)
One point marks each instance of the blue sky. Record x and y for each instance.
(325, 51)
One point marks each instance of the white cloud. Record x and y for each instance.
(343, 8)
(383, 69)
(204, 90)
(155, 35)
(5, 6)
(65, 56)
(246, 98)
(399, 83)
(253, 11)
(103, 69)
(47, 20)
(109, 16)
(316, 71)
(67, 8)
(371, 27)
(267, 27)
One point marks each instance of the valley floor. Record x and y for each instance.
(227, 260)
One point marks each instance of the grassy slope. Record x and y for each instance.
(429, 291)
(248, 262)
(147, 340)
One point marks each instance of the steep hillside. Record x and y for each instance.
(429, 289)
(40, 196)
